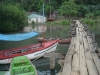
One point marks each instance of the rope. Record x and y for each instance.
(6, 67)
(36, 59)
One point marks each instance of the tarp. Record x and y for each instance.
(17, 37)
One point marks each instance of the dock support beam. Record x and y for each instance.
(52, 63)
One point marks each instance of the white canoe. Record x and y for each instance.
(32, 51)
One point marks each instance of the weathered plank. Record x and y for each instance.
(86, 47)
(89, 60)
(90, 44)
(83, 66)
(75, 65)
(96, 61)
(68, 60)
(91, 67)
(67, 65)
(53, 55)
(71, 47)
(81, 58)
(52, 63)
(77, 32)
(75, 61)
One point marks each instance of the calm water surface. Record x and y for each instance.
(42, 64)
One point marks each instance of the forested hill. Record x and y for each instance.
(88, 10)
(83, 6)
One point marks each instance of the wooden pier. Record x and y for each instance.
(82, 58)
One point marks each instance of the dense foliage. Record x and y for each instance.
(67, 8)
(12, 18)
(79, 7)
(93, 24)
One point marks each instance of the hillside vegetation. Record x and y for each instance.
(86, 10)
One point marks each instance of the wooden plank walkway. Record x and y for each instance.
(81, 58)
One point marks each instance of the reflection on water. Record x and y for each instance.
(43, 67)
(42, 64)
(5, 45)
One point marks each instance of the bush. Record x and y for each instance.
(65, 22)
(68, 9)
(94, 25)
(12, 18)
(90, 15)
(89, 21)
(33, 24)
(97, 13)
(82, 10)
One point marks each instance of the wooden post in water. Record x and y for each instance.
(93, 37)
(52, 63)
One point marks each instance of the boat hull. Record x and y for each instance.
(33, 55)
(22, 66)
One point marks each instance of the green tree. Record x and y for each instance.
(68, 9)
(82, 10)
(88, 2)
(12, 18)
(35, 5)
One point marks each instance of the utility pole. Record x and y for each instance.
(43, 12)
(43, 21)
(50, 8)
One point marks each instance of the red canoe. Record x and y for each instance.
(61, 41)
(32, 51)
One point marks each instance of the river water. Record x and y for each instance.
(42, 64)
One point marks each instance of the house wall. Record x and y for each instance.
(37, 20)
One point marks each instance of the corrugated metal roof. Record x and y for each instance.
(34, 16)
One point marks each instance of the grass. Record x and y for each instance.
(93, 24)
